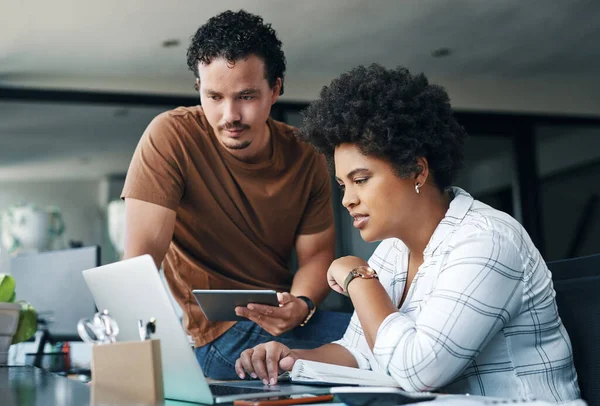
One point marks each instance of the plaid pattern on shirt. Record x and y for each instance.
(480, 316)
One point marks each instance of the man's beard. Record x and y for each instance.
(237, 144)
(234, 143)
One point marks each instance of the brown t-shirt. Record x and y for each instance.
(236, 222)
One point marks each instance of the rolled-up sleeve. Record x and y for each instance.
(354, 342)
(477, 291)
(384, 261)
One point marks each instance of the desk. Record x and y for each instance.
(30, 386)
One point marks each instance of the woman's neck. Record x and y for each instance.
(431, 212)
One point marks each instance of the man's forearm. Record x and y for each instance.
(311, 278)
(329, 354)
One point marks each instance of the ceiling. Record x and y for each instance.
(117, 45)
(535, 56)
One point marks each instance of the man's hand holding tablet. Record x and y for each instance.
(275, 312)
(292, 311)
(220, 305)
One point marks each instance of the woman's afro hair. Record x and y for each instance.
(390, 114)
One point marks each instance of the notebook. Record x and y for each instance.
(319, 373)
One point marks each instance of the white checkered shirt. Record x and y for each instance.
(480, 316)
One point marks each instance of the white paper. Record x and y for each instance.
(312, 371)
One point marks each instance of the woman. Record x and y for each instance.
(456, 297)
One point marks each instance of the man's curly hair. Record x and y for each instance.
(390, 114)
(237, 35)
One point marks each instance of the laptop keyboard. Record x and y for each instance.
(222, 390)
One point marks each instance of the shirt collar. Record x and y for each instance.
(458, 209)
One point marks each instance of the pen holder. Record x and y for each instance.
(131, 369)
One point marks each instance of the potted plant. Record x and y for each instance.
(17, 319)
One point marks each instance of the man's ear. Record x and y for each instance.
(197, 85)
(276, 90)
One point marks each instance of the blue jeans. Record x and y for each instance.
(217, 359)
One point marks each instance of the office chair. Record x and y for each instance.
(577, 286)
(575, 267)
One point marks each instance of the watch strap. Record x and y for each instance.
(311, 309)
(351, 275)
(356, 273)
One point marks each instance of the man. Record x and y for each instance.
(224, 193)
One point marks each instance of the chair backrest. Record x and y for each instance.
(575, 267)
(578, 301)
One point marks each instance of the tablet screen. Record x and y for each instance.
(219, 305)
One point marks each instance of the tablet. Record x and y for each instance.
(219, 305)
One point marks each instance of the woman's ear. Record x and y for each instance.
(422, 172)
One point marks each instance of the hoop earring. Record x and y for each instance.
(417, 186)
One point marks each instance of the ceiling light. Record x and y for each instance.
(441, 52)
(170, 43)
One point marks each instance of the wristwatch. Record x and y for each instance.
(311, 309)
(365, 272)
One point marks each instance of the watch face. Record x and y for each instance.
(365, 272)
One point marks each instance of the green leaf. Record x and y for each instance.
(7, 287)
(27, 323)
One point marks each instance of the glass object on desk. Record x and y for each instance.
(102, 328)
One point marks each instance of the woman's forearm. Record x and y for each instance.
(372, 305)
(329, 354)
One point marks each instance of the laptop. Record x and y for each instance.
(132, 290)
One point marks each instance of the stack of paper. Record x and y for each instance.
(327, 374)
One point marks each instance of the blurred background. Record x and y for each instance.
(80, 80)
